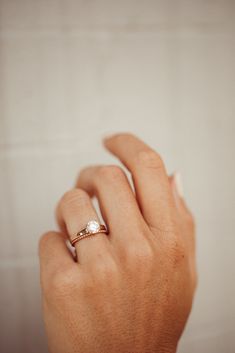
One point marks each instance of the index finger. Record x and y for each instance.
(149, 176)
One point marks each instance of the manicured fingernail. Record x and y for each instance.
(179, 184)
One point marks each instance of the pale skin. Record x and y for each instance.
(130, 291)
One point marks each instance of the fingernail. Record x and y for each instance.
(179, 184)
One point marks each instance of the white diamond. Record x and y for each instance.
(93, 227)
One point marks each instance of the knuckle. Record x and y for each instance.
(150, 159)
(63, 284)
(74, 196)
(176, 251)
(44, 240)
(106, 270)
(140, 253)
(111, 172)
(165, 226)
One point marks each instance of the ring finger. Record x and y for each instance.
(117, 202)
(74, 211)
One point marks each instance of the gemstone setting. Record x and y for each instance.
(93, 226)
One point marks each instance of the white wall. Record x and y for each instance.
(71, 71)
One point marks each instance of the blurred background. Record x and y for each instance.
(72, 71)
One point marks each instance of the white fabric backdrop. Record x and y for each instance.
(71, 71)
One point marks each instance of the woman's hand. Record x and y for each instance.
(130, 291)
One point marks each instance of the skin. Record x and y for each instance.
(130, 291)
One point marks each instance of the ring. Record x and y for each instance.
(93, 227)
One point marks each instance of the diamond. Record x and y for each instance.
(93, 227)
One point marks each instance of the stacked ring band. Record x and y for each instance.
(93, 227)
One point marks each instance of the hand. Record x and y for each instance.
(130, 291)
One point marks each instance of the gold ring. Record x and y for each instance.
(93, 227)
